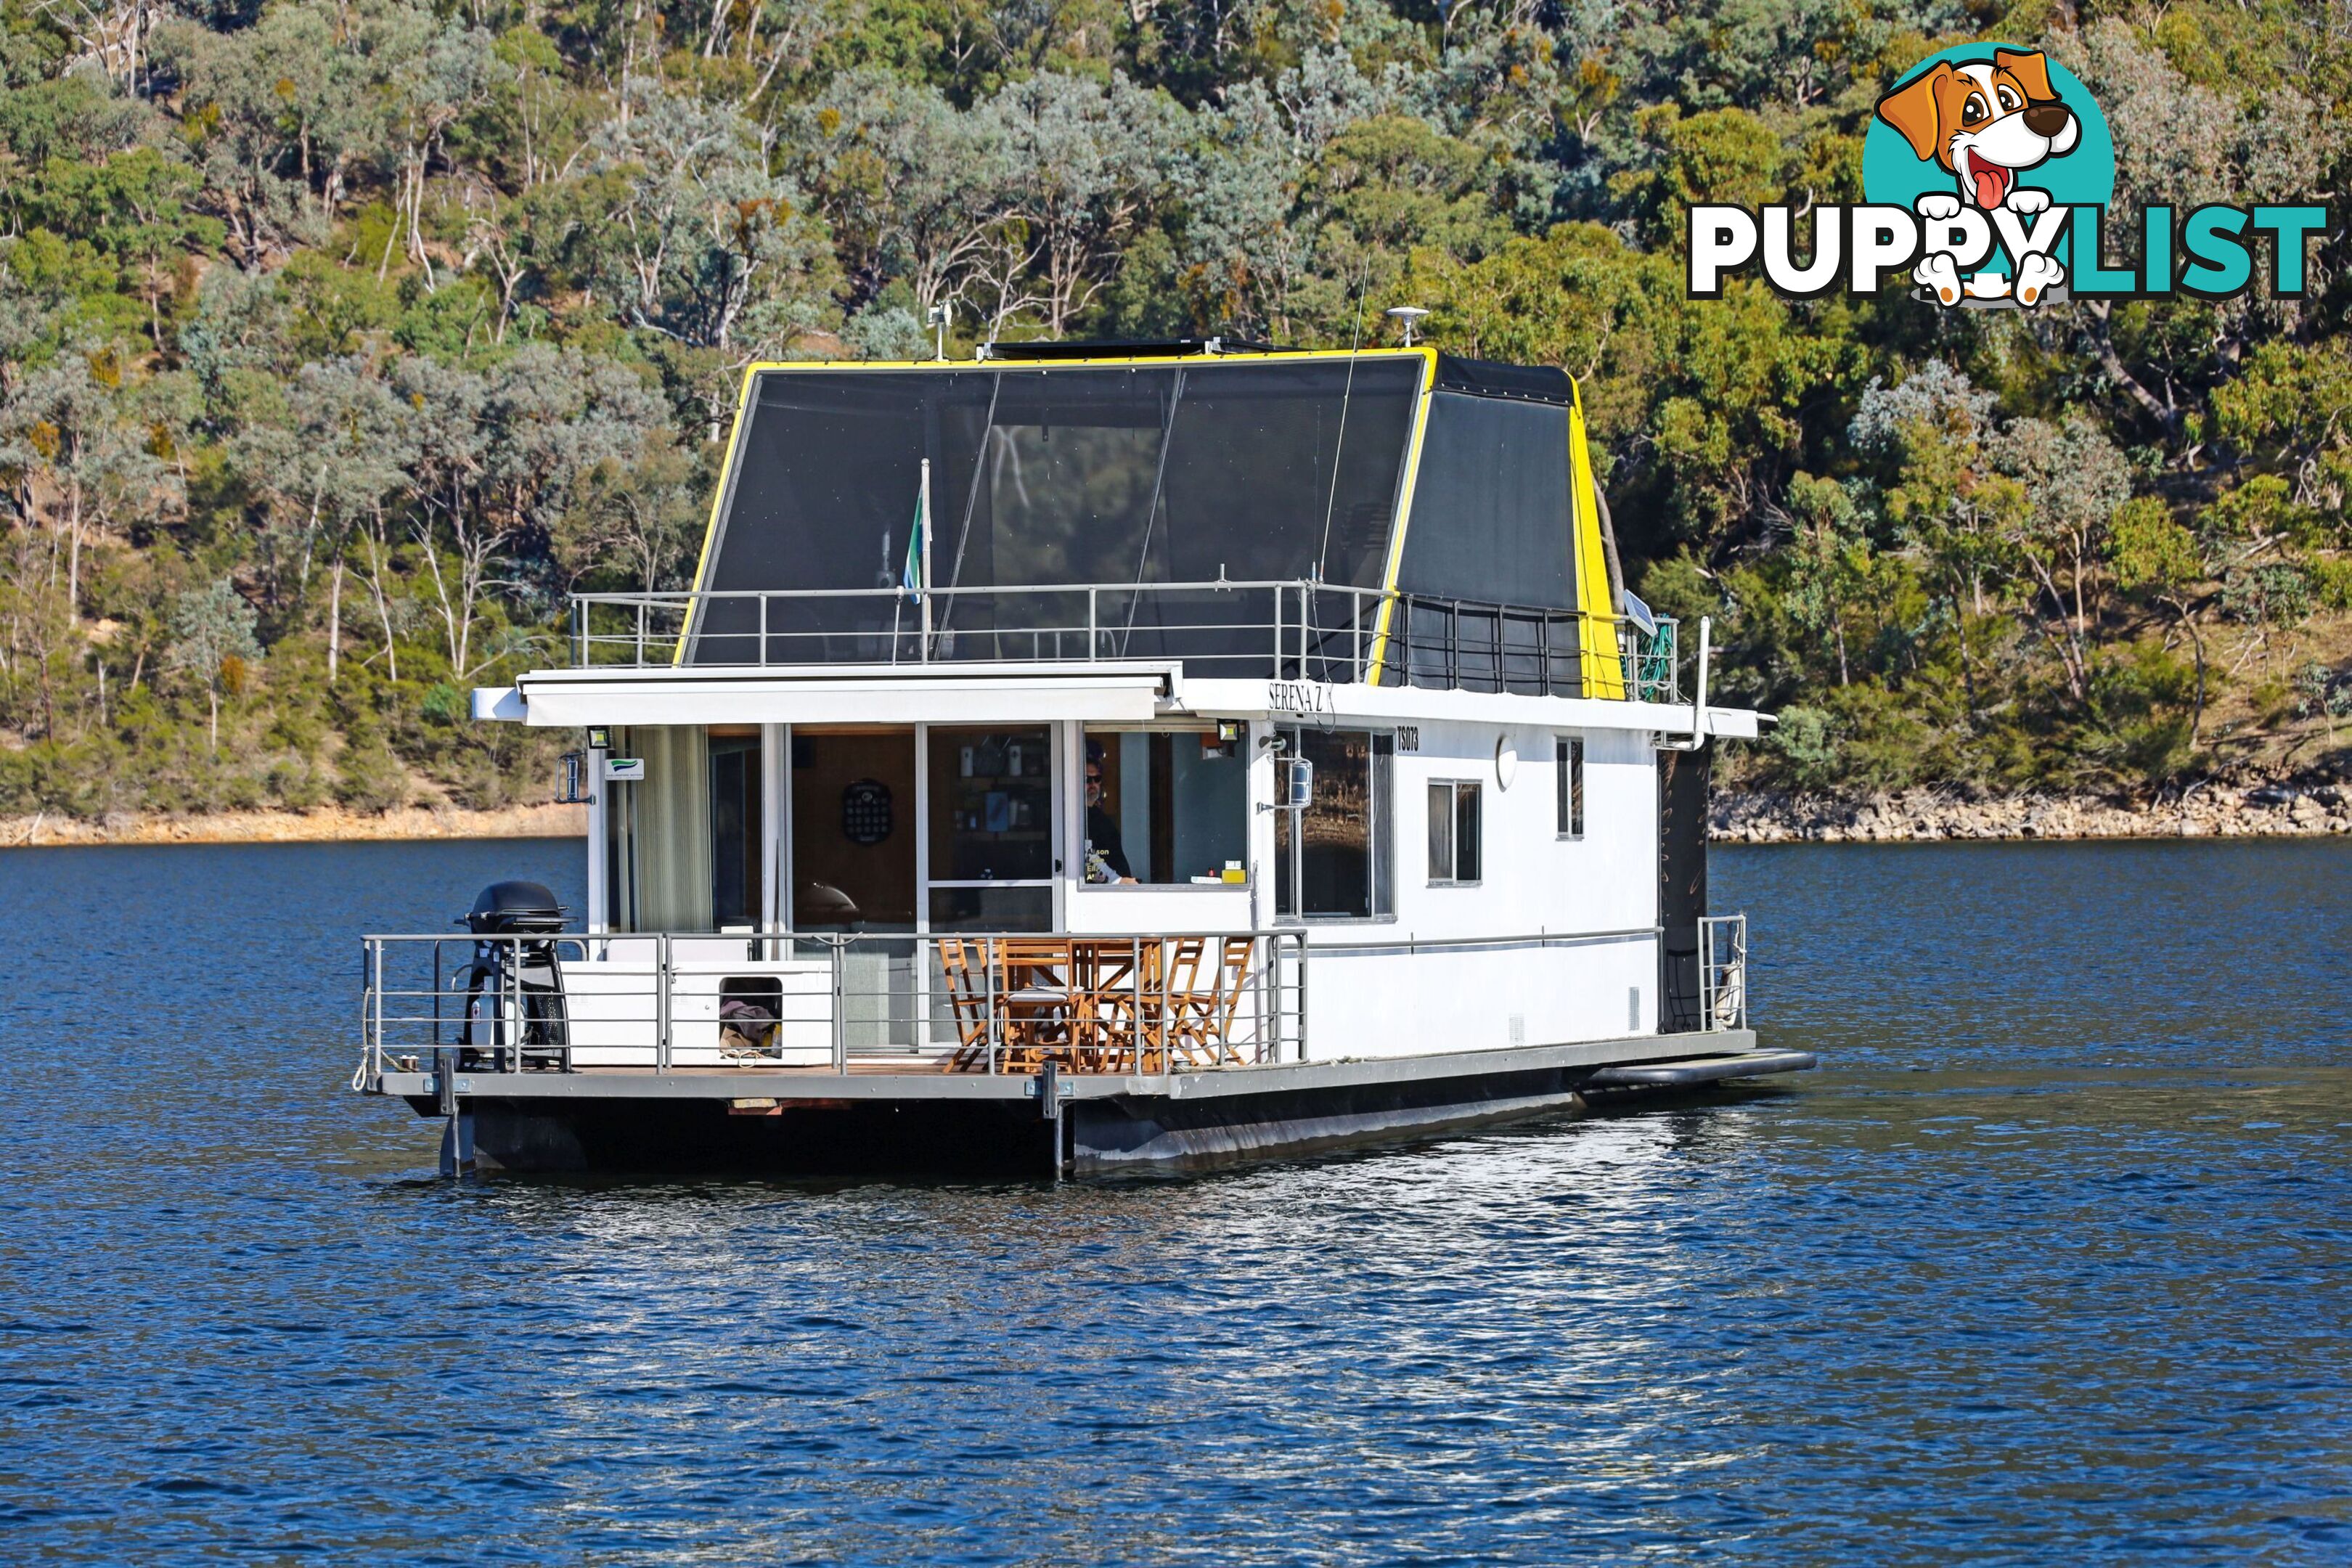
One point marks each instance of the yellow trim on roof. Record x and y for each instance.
(1131, 361)
(718, 501)
(1404, 512)
(1604, 671)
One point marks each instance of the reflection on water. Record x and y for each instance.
(2050, 1260)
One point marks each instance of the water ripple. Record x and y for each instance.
(2052, 1262)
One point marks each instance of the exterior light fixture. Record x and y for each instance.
(600, 739)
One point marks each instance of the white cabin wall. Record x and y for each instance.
(1144, 909)
(1395, 1000)
(1533, 881)
(1613, 873)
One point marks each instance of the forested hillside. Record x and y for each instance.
(341, 339)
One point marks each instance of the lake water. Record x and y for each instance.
(2051, 1260)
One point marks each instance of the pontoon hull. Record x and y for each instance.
(869, 1124)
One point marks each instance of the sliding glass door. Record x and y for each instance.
(992, 800)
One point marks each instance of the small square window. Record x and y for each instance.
(1569, 757)
(1455, 835)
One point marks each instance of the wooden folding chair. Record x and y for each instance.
(1038, 999)
(962, 965)
(1179, 980)
(1201, 1031)
(1132, 984)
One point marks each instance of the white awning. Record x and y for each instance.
(836, 694)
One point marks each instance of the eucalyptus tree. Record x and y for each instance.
(553, 419)
(133, 207)
(1241, 253)
(1085, 165)
(635, 519)
(1250, 232)
(81, 465)
(450, 73)
(698, 242)
(1384, 186)
(2184, 143)
(2153, 555)
(281, 117)
(213, 640)
(443, 408)
(325, 466)
(1927, 434)
(2071, 481)
(237, 339)
(911, 187)
(498, 460)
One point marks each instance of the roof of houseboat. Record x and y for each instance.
(1132, 468)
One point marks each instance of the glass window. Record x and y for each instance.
(1454, 832)
(1168, 806)
(1021, 907)
(1332, 860)
(991, 804)
(734, 828)
(1568, 756)
(1468, 839)
(1441, 832)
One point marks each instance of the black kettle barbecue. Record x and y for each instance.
(514, 987)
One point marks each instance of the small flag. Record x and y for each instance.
(910, 580)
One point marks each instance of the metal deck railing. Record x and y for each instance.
(1723, 972)
(996, 1004)
(1653, 662)
(1275, 630)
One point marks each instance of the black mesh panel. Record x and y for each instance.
(1491, 519)
(1058, 475)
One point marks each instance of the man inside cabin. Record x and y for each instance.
(1106, 857)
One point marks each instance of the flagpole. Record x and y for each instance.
(923, 561)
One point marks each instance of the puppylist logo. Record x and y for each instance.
(1987, 172)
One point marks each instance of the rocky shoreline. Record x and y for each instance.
(2270, 810)
(328, 824)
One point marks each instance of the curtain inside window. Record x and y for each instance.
(670, 811)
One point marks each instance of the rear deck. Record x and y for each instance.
(1027, 1052)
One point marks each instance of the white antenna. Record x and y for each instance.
(936, 318)
(1410, 315)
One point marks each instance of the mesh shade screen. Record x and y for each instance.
(1491, 519)
(1053, 475)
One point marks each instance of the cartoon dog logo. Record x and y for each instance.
(1985, 124)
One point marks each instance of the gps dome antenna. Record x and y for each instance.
(1410, 316)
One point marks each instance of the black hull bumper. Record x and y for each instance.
(1101, 1128)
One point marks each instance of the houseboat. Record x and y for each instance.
(1090, 758)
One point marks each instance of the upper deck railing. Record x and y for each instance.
(1269, 630)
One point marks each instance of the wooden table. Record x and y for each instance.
(1080, 1001)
